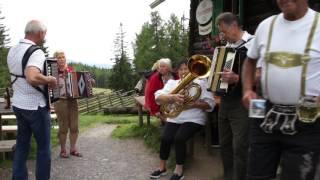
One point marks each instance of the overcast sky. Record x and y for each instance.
(85, 29)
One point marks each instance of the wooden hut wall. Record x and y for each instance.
(253, 12)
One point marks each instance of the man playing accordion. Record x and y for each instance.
(233, 119)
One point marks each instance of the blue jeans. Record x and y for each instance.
(36, 122)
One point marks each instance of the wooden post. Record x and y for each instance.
(140, 113)
(0, 127)
(148, 118)
(139, 102)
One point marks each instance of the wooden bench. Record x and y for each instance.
(9, 128)
(13, 128)
(8, 117)
(7, 145)
(140, 104)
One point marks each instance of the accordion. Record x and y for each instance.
(77, 85)
(223, 58)
(51, 69)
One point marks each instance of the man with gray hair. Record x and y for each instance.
(233, 121)
(29, 104)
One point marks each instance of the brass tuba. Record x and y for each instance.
(199, 66)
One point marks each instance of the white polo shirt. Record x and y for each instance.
(194, 115)
(284, 84)
(24, 95)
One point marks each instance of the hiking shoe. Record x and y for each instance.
(158, 173)
(176, 177)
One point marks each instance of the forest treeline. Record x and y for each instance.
(157, 39)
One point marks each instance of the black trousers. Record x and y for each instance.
(298, 154)
(178, 134)
(234, 138)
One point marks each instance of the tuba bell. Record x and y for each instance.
(199, 66)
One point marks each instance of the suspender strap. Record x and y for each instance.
(306, 58)
(266, 54)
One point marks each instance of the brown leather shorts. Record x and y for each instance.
(67, 114)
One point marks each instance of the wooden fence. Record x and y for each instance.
(102, 100)
(98, 102)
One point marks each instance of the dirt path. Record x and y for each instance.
(106, 158)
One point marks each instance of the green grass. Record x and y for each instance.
(87, 121)
(100, 90)
(150, 134)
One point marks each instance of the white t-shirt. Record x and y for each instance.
(288, 36)
(194, 115)
(24, 95)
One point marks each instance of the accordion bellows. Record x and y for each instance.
(78, 85)
(70, 85)
(223, 58)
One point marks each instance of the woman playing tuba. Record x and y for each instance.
(192, 117)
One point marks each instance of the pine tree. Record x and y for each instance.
(4, 40)
(159, 39)
(177, 39)
(122, 73)
(150, 44)
(44, 48)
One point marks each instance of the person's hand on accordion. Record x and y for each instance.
(229, 77)
(51, 81)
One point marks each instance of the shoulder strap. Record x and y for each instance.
(24, 62)
(243, 43)
(27, 55)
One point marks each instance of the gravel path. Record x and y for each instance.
(107, 158)
(104, 158)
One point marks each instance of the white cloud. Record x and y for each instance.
(85, 29)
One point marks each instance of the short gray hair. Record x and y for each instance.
(165, 61)
(35, 26)
(55, 54)
(227, 18)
